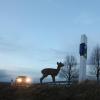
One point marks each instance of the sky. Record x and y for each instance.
(35, 34)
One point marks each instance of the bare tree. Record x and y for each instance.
(69, 71)
(95, 61)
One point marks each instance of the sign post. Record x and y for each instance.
(83, 58)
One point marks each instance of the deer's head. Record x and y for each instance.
(60, 64)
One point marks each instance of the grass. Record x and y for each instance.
(84, 91)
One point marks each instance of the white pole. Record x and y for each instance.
(83, 58)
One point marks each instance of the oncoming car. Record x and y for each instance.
(23, 81)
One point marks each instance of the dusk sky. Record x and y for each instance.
(35, 34)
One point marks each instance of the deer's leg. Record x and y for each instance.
(42, 78)
(53, 78)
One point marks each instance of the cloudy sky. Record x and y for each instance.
(35, 34)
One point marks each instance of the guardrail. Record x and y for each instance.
(57, 83)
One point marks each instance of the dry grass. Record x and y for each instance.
(84, 91)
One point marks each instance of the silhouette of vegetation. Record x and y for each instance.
(69, 71)
(95, 61)
(51, 71)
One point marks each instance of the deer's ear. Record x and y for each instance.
(57, 63)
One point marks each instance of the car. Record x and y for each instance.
(23, 81)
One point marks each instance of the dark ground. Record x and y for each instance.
(85, 91)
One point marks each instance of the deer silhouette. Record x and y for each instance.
(50, 71)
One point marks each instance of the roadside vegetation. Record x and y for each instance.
(83, 91)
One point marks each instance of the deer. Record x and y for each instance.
(50, 71)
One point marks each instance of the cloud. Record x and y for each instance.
(55, 3)
(52, 55)
(58, 52)
(86, 19)
(4, 76)
(8, 43)
(3, 73)
(50, 1)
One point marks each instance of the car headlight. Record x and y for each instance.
(19, 80)
(28, 80)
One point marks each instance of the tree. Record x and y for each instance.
(95, 61)
(69, 71)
